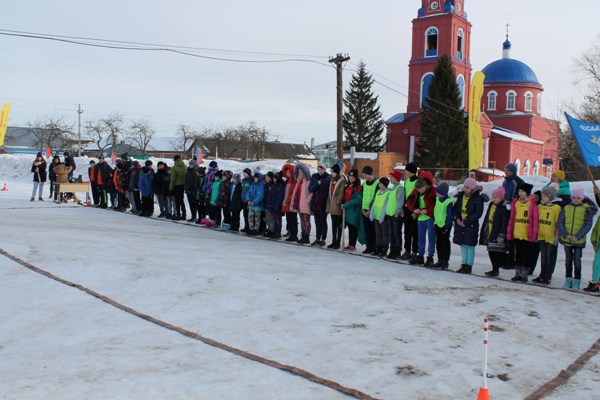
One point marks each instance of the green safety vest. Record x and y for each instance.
(369, 191)
(409, 186)
(422, 217)
(393, 200)
(439, 213)
(378, 203)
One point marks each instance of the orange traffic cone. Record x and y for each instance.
(4, 188)
(484, 394)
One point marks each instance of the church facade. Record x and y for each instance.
(513, 128)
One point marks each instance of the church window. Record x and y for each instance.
(492, 96)
(536, 167)
(539, 103)
(526, 168)
(431, 42)
(425, 85)
(518, 164)
(460, 81)
(459, 44)
(511, 97)
(528, 101)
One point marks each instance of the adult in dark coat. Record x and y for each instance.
(70, 162)
(38, 168)
(51, 174)
(275, 203)
(236, 204)
(319, 187)
(103, 172)
(161, 186)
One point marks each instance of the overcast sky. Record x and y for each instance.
(294, 100)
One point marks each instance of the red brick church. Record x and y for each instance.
(512, 125)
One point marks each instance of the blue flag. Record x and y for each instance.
(587, 137)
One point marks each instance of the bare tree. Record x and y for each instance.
(114, 127)
(98, 132)
(256, 138)
(185, 136)
(140, 134)
(52, 132)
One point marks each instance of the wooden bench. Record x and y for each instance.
(82, 187)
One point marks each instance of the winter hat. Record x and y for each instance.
(213, 164)
(578, 193)
(322, 165)
(499, 192)
(384, 181)
(277, 175)
(192, 163)
(202, 171)
(559, 174)
(257, 170)
(470, 183)
(101, 157)
(219, 174)
(67, 154)
(367, 170)
(161, 163)
(176, 157)
(92, 162)
(148, 163)
(119, 161)
(549, 191)
(248, 171)
(397, 174)
(270, 174)
(353, 172)
(236, 177)
(136, 164)
(442, 189)
(335, 168)
(411, 167)
(39, 154)
(526, 187)
(511, 167)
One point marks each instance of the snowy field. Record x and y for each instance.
(389, 330)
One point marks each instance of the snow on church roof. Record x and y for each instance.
(516, 136)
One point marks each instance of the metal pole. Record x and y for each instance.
(338, 60)
(79, 111)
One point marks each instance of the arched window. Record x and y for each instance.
(527, 168)
(528, 101)
(425, 84)
(459, 44)
(460, 81)
(539, 103)
(536, 167)
(511, 98)
(492, 96)
(431, 42)
(518, 164)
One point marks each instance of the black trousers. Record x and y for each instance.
(369, 233)
(442, 243)
(336, 228)
(321, 224)
(178, 192)
(352, 235)
(498, 259)
(291, 223)
(191, 198)
(235, 220)
(95, 193)
(148, 205)
(411, 233)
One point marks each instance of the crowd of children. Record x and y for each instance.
(518, 226)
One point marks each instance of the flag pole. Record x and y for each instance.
(591, 177)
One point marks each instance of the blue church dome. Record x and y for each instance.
(508, 69)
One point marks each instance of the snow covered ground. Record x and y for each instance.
(392, 331)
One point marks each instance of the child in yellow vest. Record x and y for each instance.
(493, 231)
(443, 225)
(548, 212)
(523, 230)
(574, 222)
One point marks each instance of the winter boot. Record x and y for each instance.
(336, 245)
(413, 260)
(568, 283)
(292, 239)
(406, 256)
(465, 269)
(304, 240)
(593, 287)
(576, 284)
(32, 199)
(492, 274)
(41, 198)
(429, 262)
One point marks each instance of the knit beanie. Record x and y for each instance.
(335, 168)
(367, 170)
(192, 163)
(470, 183)
(384, 181)
(397, 174)
(213, 164)
(248, 171)
(511, 167)
(559, 174)
(550, 192)
(148, 163)
(354, 173)
(499, 192)
(579, 192)
(442, 189)
(411, 167)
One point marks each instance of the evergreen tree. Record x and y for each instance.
(443, 123)
(363, 122)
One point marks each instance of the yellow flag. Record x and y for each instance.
(475, 136)
(4, 122)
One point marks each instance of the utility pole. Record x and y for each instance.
(338, 60)
(79, 111)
